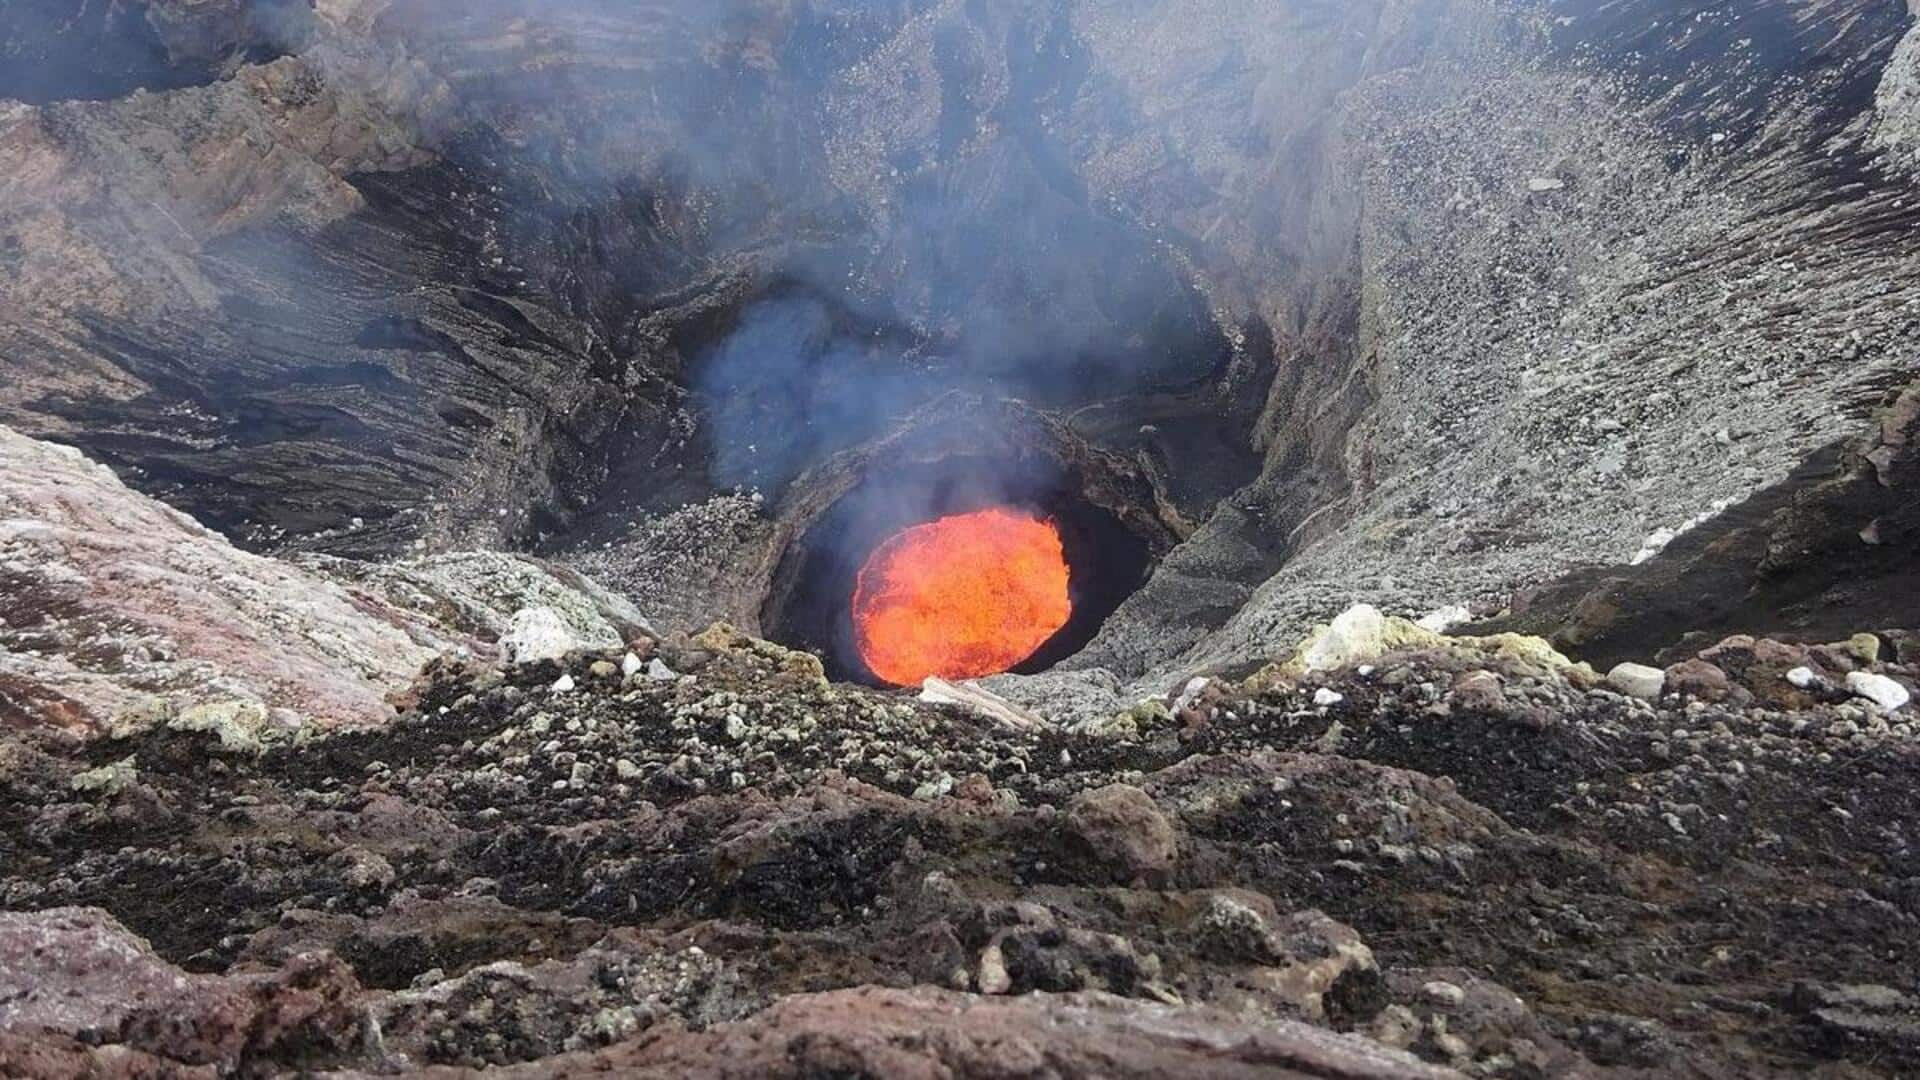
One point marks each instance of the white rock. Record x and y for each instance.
(971, 695)
(660, 672)
(1654, 544)
(563, 684)
(1324, 697)
(1191, 692)
(993, 977)
(535, 634)
(630, 665)
(1546, 183)
(1637, 680)
(1803, 677)
(1441, 620)
(1879, 689)
(1355, 633)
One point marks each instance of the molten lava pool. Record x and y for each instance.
(962, 597)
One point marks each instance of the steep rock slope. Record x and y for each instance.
(1591, 304)
(1830, 548)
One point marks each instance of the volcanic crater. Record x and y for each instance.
(959, 537)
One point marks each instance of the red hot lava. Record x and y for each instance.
(962, 597)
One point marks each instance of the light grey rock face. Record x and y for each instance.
(117, 607)
(690, 567)
(117, 610)
(483, 593)
(1542, 374)
(1897, 105)
(1065, 697)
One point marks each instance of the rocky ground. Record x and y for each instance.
(697, 854)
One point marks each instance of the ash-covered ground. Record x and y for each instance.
(698, 854)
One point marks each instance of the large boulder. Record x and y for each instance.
(1123, 832)
(74, 977)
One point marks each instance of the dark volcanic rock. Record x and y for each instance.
(514, 871)
(52, 50)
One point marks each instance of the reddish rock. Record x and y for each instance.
(1759, 666)
(1123, 831)
(1778, 654)
(923, 1034)
(1699, 679)
(76, 974)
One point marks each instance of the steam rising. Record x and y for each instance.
(888, 194)
(918, 228)
(787, 387)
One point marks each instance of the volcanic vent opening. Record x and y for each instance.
(962, 566)
(965, 596)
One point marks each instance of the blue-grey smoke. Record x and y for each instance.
(787, 387)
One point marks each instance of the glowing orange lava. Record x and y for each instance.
(961, 597)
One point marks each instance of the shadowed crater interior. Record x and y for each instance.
(1111, 525)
